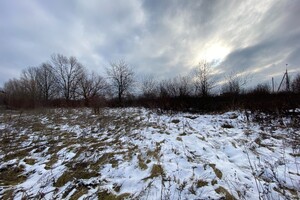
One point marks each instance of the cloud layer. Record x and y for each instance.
(162, 38)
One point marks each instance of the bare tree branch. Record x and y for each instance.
(68, 72)
(122, 78)
(203, 78)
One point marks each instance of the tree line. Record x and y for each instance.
(64, 81)
(61, 78)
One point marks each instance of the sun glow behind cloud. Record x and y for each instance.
(216, 53)
(212, 53)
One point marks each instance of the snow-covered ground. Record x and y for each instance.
(135, 153)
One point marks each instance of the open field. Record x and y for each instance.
(135, 153)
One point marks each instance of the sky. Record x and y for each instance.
(163, 39)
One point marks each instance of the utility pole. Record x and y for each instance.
(281, 82)
(273, 84)
(287, 80)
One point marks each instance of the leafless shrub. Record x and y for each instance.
(203, 78)
(296, 84)
(149, 87)
(91, 87)
(234, 83)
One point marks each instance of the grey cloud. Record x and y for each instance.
(264, 53)
(276, 42)
(163, 38)
(294, 58)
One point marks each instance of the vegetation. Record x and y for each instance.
(78, 154)
(65, 82)
(12, 175)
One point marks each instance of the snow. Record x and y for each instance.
(196, 154)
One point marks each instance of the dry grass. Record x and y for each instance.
(157, 170)
(8, 194)
(142, 164)
(75, 174)
(30, 161)
(218, 172)
(226, 125)
(20, 154)
(81, 190)
(175, 121)
(12, 175)
(107, 142)
(201, 183)
(106, 195)
(228, 196)
(214, 182)
(156, 153)
(51, 162)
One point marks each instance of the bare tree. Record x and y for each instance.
(234, 83)
(28, 82)
(14, 92)
(171, 87)
(91, 86)
(176, 87)
(149, 87)
(46, 82)
(184, 86)
(122, 78)
(68, 72)
(163, 89)
(262, 88)
(2, 96)
(296, 84)
(203, 78)
(25, 91)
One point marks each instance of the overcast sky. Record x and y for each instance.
(164, 38)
